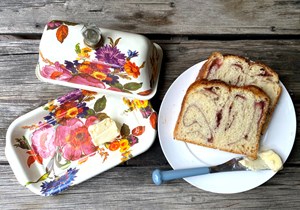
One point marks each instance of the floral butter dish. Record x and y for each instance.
(54, 147)
(99, 59)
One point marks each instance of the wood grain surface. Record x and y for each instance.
(188, 31)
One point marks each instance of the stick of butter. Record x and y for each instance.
(103, 131)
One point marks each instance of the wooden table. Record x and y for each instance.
(188, 31)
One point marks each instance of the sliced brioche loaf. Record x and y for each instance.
(229, 118)
(238, 71)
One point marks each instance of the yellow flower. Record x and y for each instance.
(126, 156)
(72, 112)
(128, 103)
(140, 103)
(99, 75)
(51, 106)
(84, 53)
(124, 145)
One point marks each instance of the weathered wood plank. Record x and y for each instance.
(132, 188)
(157, 17)
(21, 91)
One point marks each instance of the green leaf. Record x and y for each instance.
(77, 48)
(111, 41)
(70, 23)
(117, 41)
(100, 104)
(125, 130)
(101, 116)
(133, 86)
(42, 178)
(90, 112)
(22, 143)
(118, 85)
(143, 65)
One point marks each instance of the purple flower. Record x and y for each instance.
(146, 112)
(50, 119)
(59, 184)
(71, 66)
(111, 55)
(72, 96)
(132, 139)
(53, 25)
(111, 79)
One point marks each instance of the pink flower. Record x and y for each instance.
(57, 72)
(74, 139)
(91, 120)
(43, 141)
(84, 79)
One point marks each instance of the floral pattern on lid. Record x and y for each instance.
(125, 64)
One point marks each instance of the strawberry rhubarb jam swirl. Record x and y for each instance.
(228, 118)
(239, 71)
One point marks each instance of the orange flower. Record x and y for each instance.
(85, 67)
(67, 110)
(132, 69)
(88, 93)
(114, 146)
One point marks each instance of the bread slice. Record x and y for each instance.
(238, 71)
(216, 115)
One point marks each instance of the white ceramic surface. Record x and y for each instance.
(124, 64)
(279, 137)
(50, 148)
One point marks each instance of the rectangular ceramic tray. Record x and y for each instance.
(50, 148)
(124, 64)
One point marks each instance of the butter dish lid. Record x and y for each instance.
(98, 59)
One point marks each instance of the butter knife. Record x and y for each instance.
(159, 176)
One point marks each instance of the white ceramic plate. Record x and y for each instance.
(279, 137)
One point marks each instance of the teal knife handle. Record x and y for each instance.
(159, 176)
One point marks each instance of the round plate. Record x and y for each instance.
(279, 137)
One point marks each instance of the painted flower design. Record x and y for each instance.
(91, 67)
(132, 69)
(59, 184)
(74, 95)
(105, 68)
(56, 71)
(84, 53)
(85, 79)
(74, 140)
(54, 24)
(70, 109)
(143, 105)
(112, 55)
(43, 141)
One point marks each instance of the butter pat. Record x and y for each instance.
(103, 131)
(266, 160)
